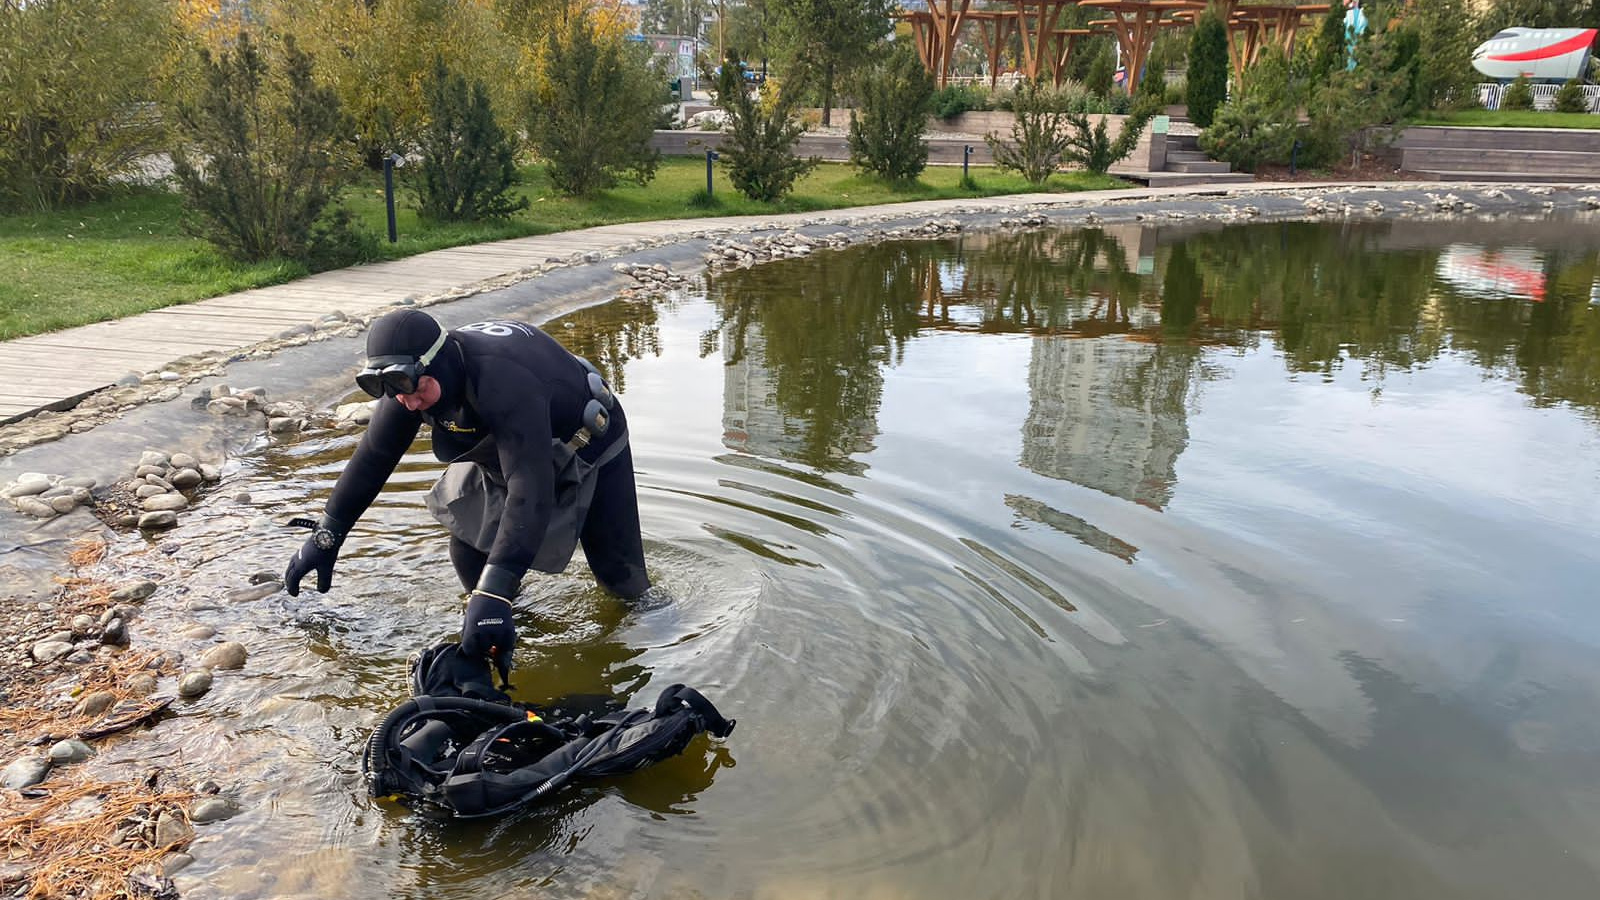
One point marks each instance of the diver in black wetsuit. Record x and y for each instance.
(539, 461)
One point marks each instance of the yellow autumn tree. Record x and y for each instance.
(377, 56)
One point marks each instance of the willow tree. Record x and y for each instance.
(77, 97)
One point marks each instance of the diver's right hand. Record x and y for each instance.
(316, 554)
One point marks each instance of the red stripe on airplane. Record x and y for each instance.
(1577, 42)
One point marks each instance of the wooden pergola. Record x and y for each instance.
(1135, 23)
(1253, 28)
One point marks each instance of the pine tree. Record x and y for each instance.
(259, 155)
(758, 146)
(886, 134)
(1208, 68)
(595, 110)
(468, 160)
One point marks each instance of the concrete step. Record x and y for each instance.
(1177, 179)
(1530, 162)
(1509, 177)
(1183, 142)
(1571, 139)
(1198, 167)
(1185, 155)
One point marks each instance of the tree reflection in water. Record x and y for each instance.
(806, 341)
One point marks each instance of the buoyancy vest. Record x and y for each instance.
(462, 746)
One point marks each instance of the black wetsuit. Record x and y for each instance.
(509, 389)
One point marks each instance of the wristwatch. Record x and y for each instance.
(324, 538)
(327, 533)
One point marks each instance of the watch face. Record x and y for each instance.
(324, 539)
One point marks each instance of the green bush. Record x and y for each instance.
(1102, 71)
(1260, 123)
(1570, 99)
(74, 92)
(595, 111)
(261, 155)
(953, 100)
(1519, 95)
(468, 161)
(1249, 132)
(1208, 68)
(758, 150)
(1090, 148)
(886, 133)
(1039, 137)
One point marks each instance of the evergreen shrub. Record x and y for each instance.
(886, 132)
(468, 161)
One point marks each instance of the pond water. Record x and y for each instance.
(1124, 562)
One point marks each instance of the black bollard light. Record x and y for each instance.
(966, 157)
(390, 163)
(710, 155)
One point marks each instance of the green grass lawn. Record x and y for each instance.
(1510, 118)
(129, 253)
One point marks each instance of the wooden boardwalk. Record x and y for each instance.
(54, 370)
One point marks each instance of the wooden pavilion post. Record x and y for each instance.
(1066, 39)
(994, 28)
(1135, 23)
(947, 21)
(1036, 23)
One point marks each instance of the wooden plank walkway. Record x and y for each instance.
(52, 370)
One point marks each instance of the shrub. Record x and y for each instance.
(1090, 148)
(1260, 123)
(1039, 138)
(1102, 70)
(949, 102)
(260, 155)
(758, 151)
(886, 132)
(1519, 95)
(1571, 99)
(468, 161)
(73, 87)
(1249, 131)
(1347, 112)
(1208, 68)
(595, 109)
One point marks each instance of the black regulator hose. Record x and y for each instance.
(376, 758)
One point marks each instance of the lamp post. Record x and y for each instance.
(710, 156)
(390, 163)
(966, 157)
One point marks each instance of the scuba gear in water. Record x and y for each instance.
(461, 746)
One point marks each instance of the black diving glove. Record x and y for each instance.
(317, 553)
(487, 628)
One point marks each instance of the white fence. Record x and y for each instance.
(1544, 95)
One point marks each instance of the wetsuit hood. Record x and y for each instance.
(412, 332)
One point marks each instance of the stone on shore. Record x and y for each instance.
(133, 593)
(141, 684)
(25, 772)
(70, 751)
(228, 655)
(159, 519)
(95, 703)
(194, 684)
(171, 829)
(213, 809)
(160, 502)
(50, 651)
